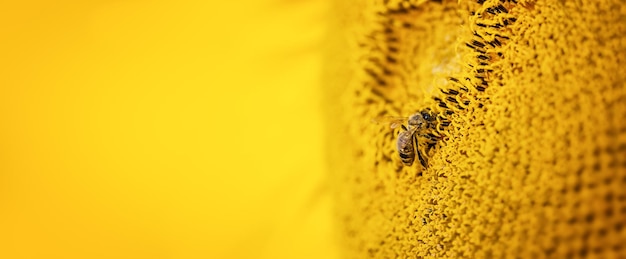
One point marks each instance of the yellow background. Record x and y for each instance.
(162, 129)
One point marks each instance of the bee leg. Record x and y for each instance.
(418, 152)
(432, 139)
(421, 158)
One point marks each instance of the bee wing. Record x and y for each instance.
(392, 121)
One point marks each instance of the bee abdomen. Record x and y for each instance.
(406, 151)
(407, 159)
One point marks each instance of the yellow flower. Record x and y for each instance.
(530, 157)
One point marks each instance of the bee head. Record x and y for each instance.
(426, 114)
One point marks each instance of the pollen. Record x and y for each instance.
(529, 159)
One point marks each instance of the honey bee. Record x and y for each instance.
(407, 143)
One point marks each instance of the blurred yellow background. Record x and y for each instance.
(162, 129)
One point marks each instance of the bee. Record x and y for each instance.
(407, 143)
